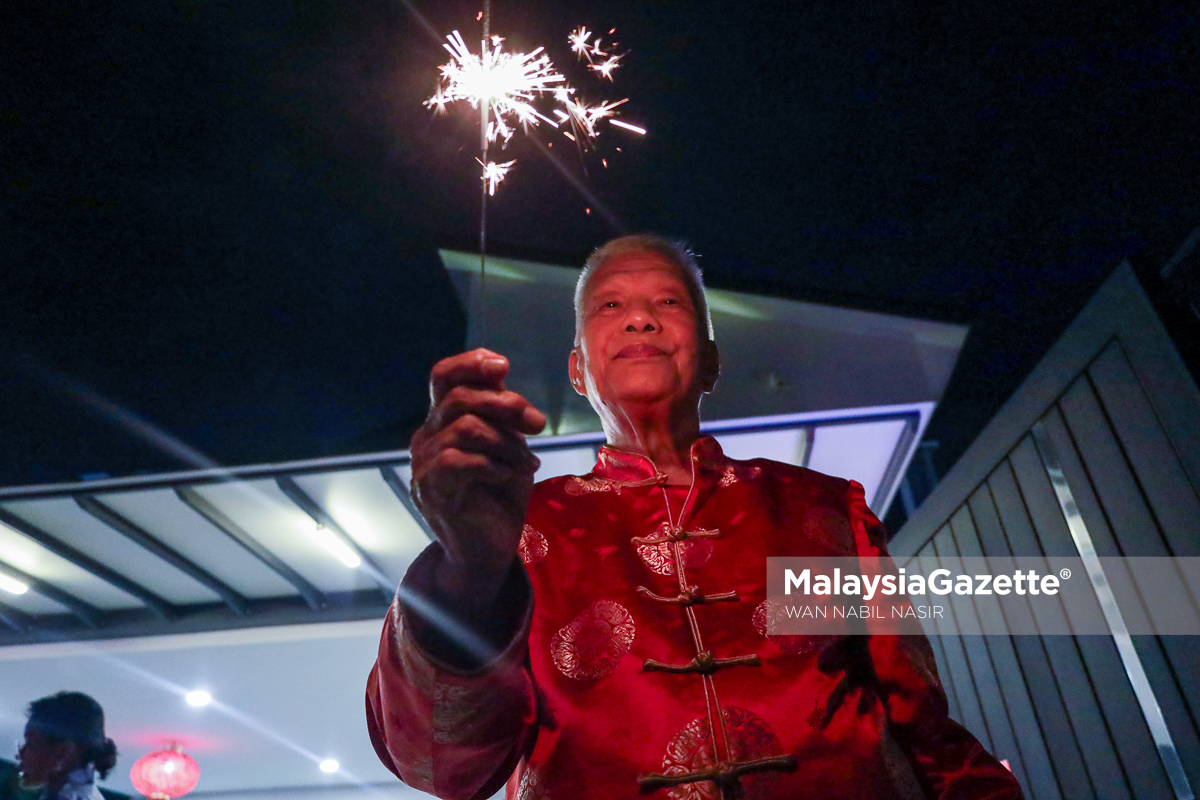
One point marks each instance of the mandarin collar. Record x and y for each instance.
(622, 465)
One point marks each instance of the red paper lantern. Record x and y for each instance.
(165, 774)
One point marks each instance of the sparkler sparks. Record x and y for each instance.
(508, 83)
(579, 41)
(493, 173)
(508, 86)
(605, 68)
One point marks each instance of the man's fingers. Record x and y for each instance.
(469, 433)
(464, 467)
(502, 408)
(481, 368)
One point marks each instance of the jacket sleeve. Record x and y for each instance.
(949, 762)
(453, 731)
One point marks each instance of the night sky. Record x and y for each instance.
(220, 217)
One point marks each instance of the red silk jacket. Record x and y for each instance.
(644, 667)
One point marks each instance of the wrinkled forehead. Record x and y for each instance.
(631, 268)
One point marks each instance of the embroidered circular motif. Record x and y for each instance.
(691, 751)
(658, 557)
(533, 546)
(772, 607)
(591, 645)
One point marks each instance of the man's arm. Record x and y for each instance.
(449, 718)
(450, 701)
(948, 760)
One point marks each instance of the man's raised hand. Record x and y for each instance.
(473, 472)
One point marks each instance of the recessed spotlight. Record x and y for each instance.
(330, 765)
(198, 698)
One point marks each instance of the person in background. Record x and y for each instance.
(64, 750)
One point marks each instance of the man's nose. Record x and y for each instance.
(641, 319)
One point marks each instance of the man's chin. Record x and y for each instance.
(29, 786)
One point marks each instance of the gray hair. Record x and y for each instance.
(675, 252)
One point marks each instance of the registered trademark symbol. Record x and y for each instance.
(1064, 574)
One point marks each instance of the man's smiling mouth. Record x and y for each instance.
(640, 351)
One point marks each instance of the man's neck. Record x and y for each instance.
(665, 441)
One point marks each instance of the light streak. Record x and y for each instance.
(627, 126)
(493, 173)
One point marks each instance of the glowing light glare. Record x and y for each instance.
(508, 83)
(12, 585)
(198, 698)
(330, 765)
(493, 173)
(340, 550)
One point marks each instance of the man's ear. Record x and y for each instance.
(711, 366)
(575, 370)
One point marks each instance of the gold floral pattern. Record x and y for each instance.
(452, 709)
(658, 557)
(532, 787)
(533, 546)
(591, 645)
(772, 609)
(577, 485)
(734, 473)
(691, 750)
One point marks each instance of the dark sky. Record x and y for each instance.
(222, 215)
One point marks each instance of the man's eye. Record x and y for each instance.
(611, 304)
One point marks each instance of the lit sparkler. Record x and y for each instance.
(507, 83)
(507, 88)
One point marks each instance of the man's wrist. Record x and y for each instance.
(433, 615)
(470, 590)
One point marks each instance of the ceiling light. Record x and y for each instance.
(333, 543)
(12, 585)
(330, 765)
(198, 698)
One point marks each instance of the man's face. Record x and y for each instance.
(42, 759)
(641, 340)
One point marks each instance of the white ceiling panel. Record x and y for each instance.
(32, 603)
(783, 444)
(162, 514)
(265, 512)
(370, 513)
(859, 451)
(66, 521)
(564, 461)
(28, 556)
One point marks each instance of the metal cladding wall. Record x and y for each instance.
(1099, 449)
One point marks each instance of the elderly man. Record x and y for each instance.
(605, 635)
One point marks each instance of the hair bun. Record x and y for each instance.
(105, 757)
